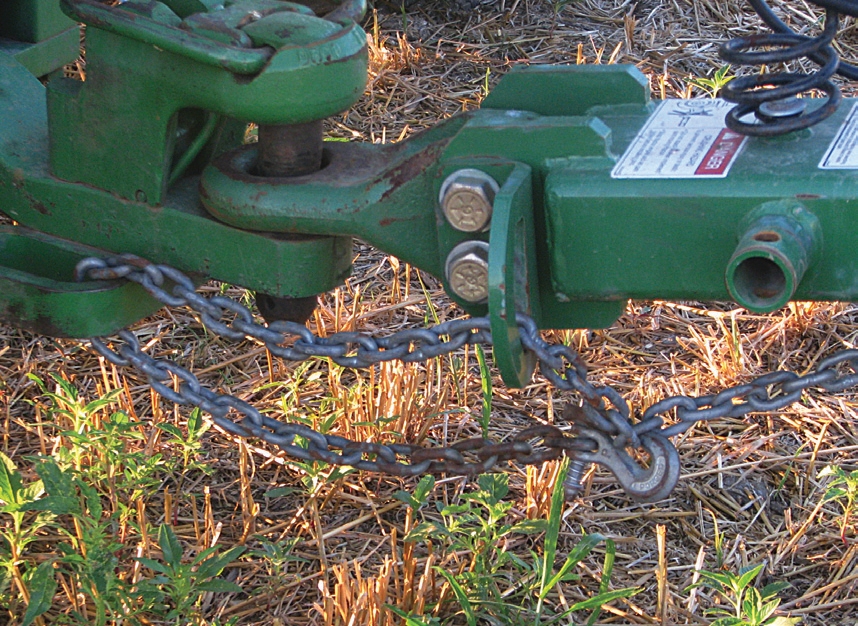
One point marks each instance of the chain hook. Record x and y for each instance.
(644, 484)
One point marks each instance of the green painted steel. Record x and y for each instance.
(178, 232)
(38, 290)
(32, 21)
(147, 157)
(137, 86)
(46, 56)
(38, 35)
(620, 239)
(512, 274)
(779, 241)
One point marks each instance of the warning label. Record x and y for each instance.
(842, 154)
(682, 139)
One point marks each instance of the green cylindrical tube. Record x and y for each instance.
(775, 249)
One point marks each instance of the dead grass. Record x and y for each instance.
(754, 478)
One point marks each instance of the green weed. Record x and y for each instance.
(494, 584)
(749, 606)
(189, 445)
(713, 86)
(183, 582)
(842, 489)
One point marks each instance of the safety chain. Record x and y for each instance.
(602, 427)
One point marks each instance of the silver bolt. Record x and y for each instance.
(572, 485)
(466, 197)
(468, 271)
(787, 107)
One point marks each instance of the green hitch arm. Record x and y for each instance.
(566, 194)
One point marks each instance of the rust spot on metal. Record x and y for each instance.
(411, 168)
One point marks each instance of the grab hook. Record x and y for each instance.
(644, 484)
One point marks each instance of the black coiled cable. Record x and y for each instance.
(771, 96)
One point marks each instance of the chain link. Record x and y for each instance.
(603, 411)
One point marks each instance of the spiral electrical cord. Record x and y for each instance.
(771, 97)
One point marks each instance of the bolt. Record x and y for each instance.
(466, 198)
(572, 485)
(468, 271)
(786, 107)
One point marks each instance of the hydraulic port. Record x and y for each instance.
(774, 251)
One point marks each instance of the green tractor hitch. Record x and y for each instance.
(568, 193)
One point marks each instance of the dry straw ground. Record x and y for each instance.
(749, 488)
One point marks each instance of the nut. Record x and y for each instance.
(466, 197)
(468, 271)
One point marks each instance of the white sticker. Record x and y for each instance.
(842, 154)
(682, 139)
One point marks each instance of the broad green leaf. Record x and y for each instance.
(10, 480)
(426, 530)
(746, 576)
(170, 546)
(752, 605)
(92, 498)
(730, 621)
(69, 390)
(455, 509)
(831, 470)
(772, 589)
(424, 488)
(101, 402)
(784, 621)
(215, 565)
(725, 581)
(153, 565)
(279, 492)
(407, 498)
(43, 586)
(767, 609)
(196, 424)
(204, 554)
(171, 429)
(496, 486)
(55, 505)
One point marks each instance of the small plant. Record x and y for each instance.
(713, 86)
(276, 556)
(548, 579)
(35, 585)
(191, 444)
(184, 583)
(842, 489)
(750, 606)
(494, 584)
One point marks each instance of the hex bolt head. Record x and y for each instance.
(466, 198)
(468, 271)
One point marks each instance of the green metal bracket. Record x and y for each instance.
(539, 222)
(32, 21)
(145, 64)
(38, 35)
(512, 275)
(38, 290)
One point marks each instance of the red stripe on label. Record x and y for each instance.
(720, 154)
